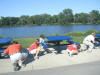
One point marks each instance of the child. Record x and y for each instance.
(35, 49)
(72, 49)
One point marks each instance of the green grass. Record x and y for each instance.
(77, 37)
(25, 42)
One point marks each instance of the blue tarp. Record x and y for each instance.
(97, 35)
(58, 38)
(5, 40)
(2, 50)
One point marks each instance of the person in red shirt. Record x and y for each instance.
(14, 51)
(35, 48)
(14, 48)
(72, 49)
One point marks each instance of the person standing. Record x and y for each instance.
(14, 51)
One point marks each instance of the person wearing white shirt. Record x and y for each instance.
(89, 41)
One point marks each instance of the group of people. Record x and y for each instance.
(88, 44)
(16, 56)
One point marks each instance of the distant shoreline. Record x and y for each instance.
(45, 25)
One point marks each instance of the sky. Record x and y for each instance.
(17, 8)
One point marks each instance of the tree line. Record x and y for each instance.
(63, 18)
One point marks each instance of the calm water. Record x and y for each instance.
(35, 31)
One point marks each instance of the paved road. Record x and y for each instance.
(81, 69)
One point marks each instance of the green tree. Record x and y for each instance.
(61, 18)
(8, 21)
(94, 17)
(55, 19)
(66, 17)
(23, 20)
(81, 18)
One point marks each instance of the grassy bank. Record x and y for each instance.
(77, 37)
(26, 42)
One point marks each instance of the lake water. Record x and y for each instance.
(35, 31)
